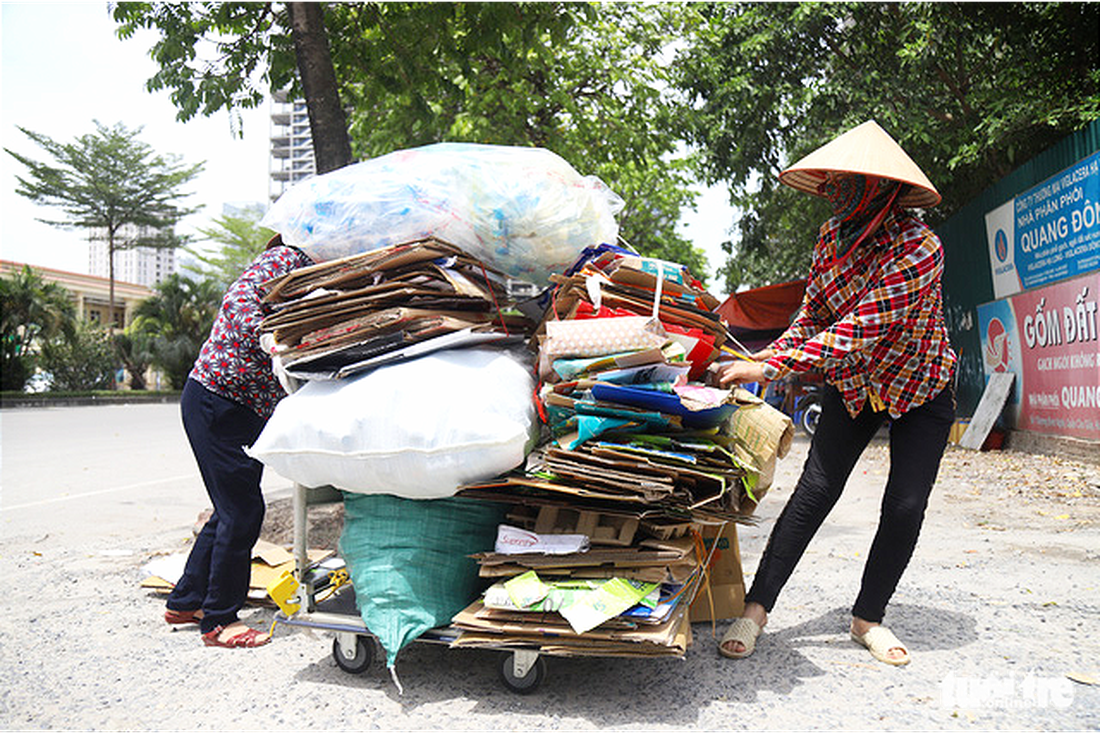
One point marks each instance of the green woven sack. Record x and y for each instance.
(408, 561)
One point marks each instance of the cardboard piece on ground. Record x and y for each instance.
(989, 407)
(263, 572)
(726, 597)
(271, 554)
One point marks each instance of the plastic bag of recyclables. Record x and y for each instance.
(525, 211)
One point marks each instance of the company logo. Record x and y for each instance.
(1000, 245)
(1011, 692)
(996, 346)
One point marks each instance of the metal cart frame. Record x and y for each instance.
(522, 670)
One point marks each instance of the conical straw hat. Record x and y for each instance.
(865, 149)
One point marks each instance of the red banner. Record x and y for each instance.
(1048, 337)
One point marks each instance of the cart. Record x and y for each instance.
(521, 670)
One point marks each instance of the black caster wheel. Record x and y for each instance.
(355, 663)
(522, 672)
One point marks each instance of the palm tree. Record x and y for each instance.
(31, 310)
(135, 348)
(178, 318)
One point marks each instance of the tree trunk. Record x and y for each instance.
(327, 123)
(110, 321)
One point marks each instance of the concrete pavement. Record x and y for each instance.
(999, 607)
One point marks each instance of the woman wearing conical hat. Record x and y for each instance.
(872, 323)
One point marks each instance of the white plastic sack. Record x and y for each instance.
(525, 211)
(418, 429)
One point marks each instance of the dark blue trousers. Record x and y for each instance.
(219, 567)
(917, 442)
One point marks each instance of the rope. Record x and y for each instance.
(493, 295)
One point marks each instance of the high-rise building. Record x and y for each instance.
(291, 144)
(145, 266)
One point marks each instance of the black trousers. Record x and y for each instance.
(917, 442)
(216, 576)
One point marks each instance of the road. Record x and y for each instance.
(88, 474)
(999, 606)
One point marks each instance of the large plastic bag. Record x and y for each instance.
(525, 211)
(409, 562)
(418, 429)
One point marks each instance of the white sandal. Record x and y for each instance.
(880, 641)
(742, 630)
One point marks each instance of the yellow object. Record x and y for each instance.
(737, 354)
(957, 430)
(284, 592)
(876, 402)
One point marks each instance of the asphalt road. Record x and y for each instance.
(1000, 607)
(84, 474)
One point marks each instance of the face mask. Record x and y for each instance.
(860, 203)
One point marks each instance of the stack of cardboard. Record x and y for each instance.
(639, 458)
(628, 598)
(340, 317)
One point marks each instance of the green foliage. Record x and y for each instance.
(15, 368)
(178, 319)
(106, 180)
(134, 348)
(213, 56)
(969, 90)
(110, 184)
(85, 359)
(582, 80)
(31, 310)
(585, 80)
(240, 240)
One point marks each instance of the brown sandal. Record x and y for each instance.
(244, 639)
(174, 616)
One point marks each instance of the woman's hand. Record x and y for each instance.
(763, 355)
(737, 373)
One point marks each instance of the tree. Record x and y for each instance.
(969, 90)
(31, 311)
(112, 185)
(178, 318)
(241, 239)
(328, 127)
(134, 347)
(84, 359)
(587, 81)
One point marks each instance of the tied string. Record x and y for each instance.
(493, 295)
(706, 559)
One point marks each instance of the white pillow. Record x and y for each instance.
(418, 429)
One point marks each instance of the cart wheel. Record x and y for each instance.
(522, 671)
(354, 656)
(811, 412)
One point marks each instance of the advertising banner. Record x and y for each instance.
(1049, 338)
(1049, 232)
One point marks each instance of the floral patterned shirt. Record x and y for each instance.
(231, 362)
(873, 322)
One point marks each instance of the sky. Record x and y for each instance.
(62, 67)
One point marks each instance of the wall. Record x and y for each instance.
(968, 279)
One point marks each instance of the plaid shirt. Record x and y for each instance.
(873, 322)
(231, 362)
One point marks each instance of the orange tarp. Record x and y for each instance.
(763, 309)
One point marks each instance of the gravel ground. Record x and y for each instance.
(999, 608)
